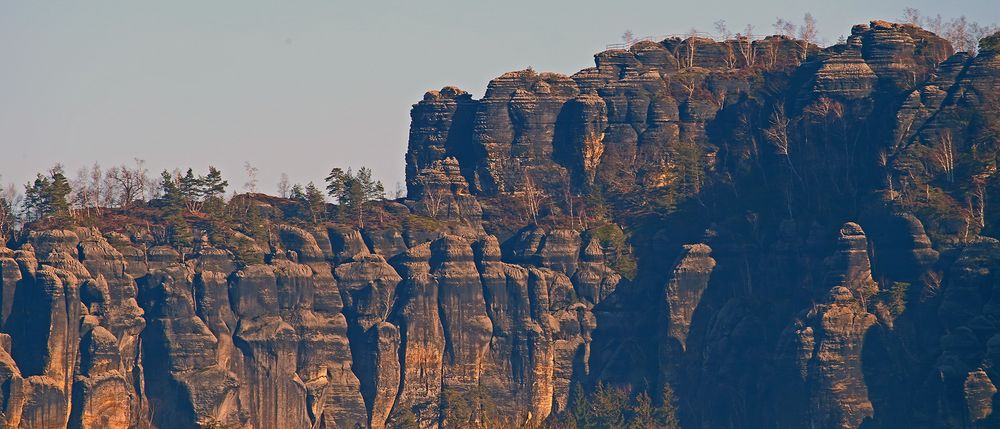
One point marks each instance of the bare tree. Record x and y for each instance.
(911, 15)
(82, 197)
(399, 192)
(251, 171)
(957, 32)
(691, 42)
(978, 32)
(431, 195)
(935, 24)
(97, 188)
(783, 27)
(284, 186)
(730, 58)
(10, 201)
(808, 31)
(131, 182)
(979, 193)
(744, 43)
(532, 197)
(722, 30)
(777, 133)
(628, 38)
(944, 154)
(688, 82)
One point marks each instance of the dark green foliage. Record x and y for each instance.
(616, 248)
(688, 171)
(212, 185)
(189, 187)
(203, 192)
(895, 297)
(352, 191)
(597, 206)
(614, 407)
(177, 228)
(456, 408)
(465, 409)
(244, 249)
(57, 194)
(608, 406)
(48, 196)
(990, 43)
(404, 419)
(35, 206)
(212, 188)
(315, 202)
(173, 200)
(8, 219)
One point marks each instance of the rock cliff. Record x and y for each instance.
(755, 233)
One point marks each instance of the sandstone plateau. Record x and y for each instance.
(767, 229)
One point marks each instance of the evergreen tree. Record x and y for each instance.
(8, 219)
(335, 183)
(48, 196)
(212, 188)
(352, 191)
(57, 194)
(608, 405)
(315, 202)
(666, 413)
(372, 188)
(580, 415)
(296, 193)
(190, 190)
(35, 205)
(212, 185)
(404, 419)
(173, 198)
(177, 228)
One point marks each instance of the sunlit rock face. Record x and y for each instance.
(775, 234)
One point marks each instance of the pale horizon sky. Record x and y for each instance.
(301, 87)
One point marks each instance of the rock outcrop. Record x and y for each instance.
(545, 245)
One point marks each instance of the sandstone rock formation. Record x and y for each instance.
(779, 234)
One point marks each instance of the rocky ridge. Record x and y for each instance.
(764, 228)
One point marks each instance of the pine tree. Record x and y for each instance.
(315, 202)
(352, 191)
(580, 413)
(48, 196)
(173, 198)
(212, 188)
(57, 194)
(190, 188)
(608, 405)
(178, 229)
(296, 193)
(335, 182)
(666, 413)
(212, 185)
(35, 205)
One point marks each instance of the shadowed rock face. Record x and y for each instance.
(314, 343)
(840, 276)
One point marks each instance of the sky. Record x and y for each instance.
(302, 87)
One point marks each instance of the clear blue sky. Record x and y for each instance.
(300, 87)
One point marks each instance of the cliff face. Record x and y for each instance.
(780, 235)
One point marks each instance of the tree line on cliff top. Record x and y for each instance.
(964, 34)
(55, 199)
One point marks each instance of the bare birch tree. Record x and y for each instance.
(944, 154)
(744, 43)
(284, 186)
(808, 31)
(251, 172)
